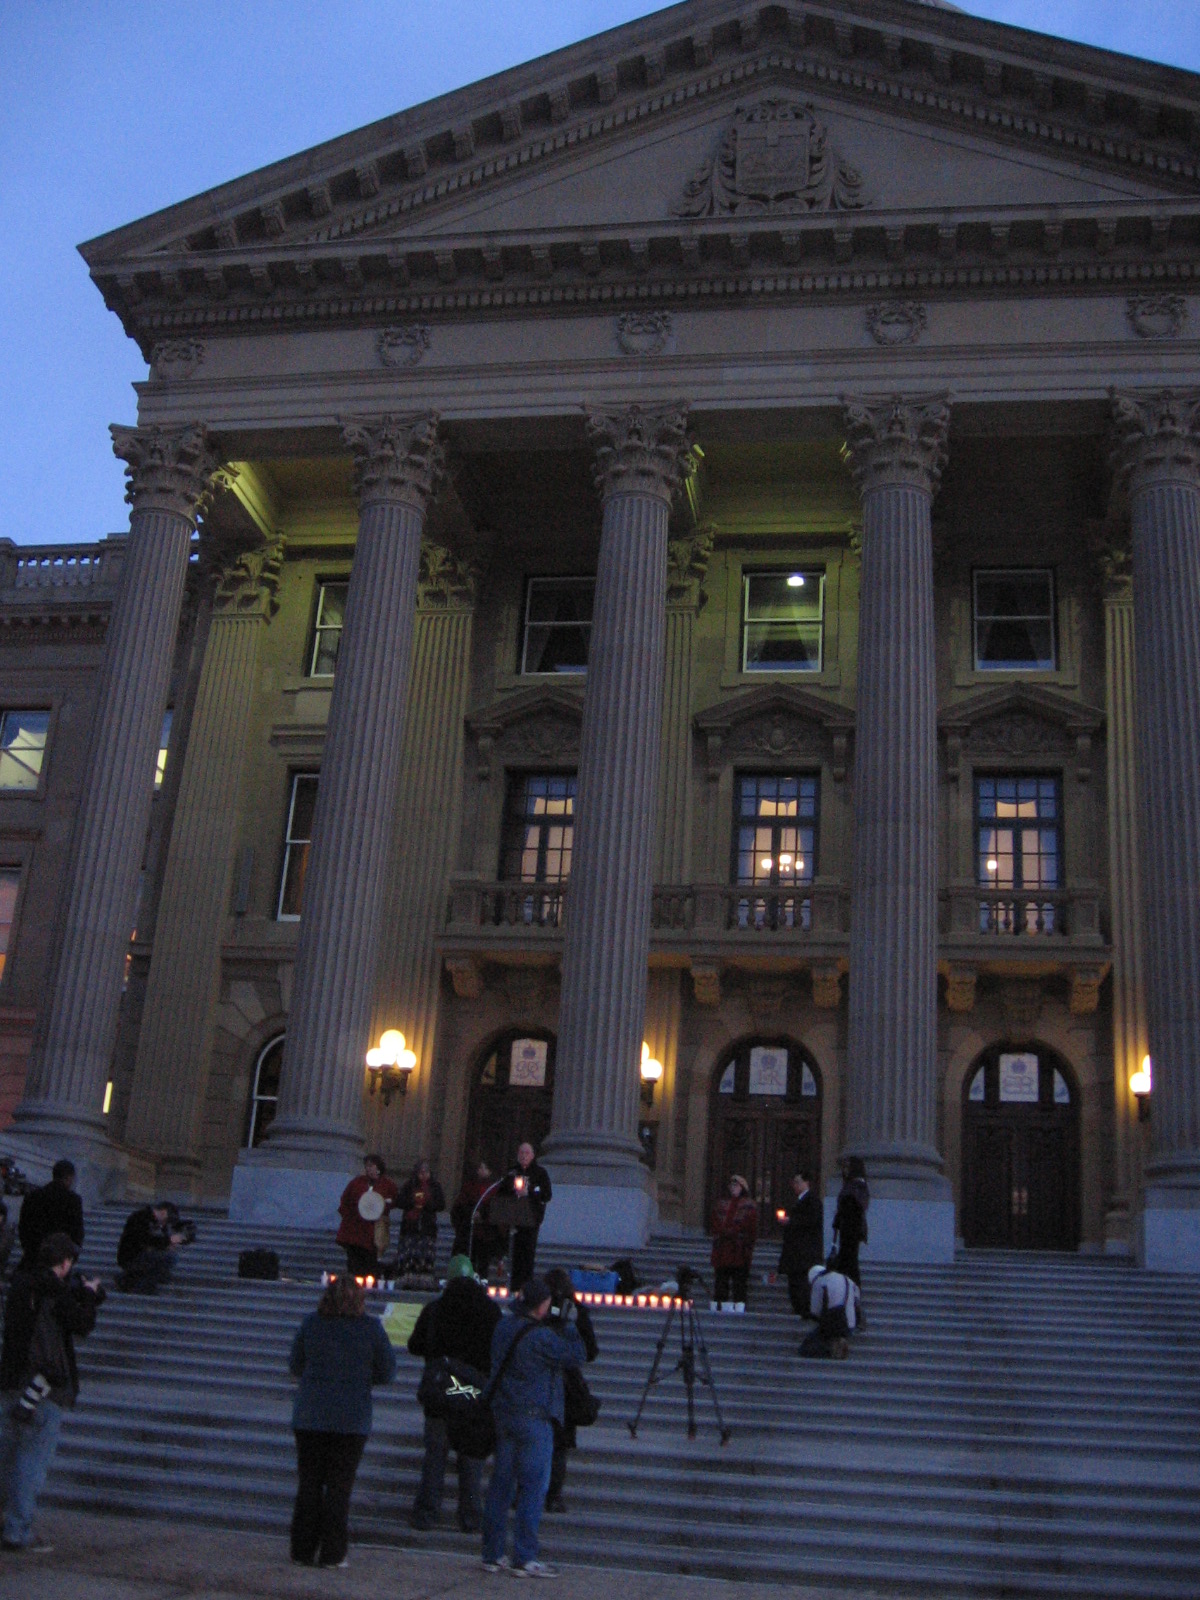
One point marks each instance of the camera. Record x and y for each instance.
(181, 1225)
(689, 1280)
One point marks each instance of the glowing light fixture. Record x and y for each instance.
(796, 580)
(992, 864)
(390, 1065)
(652, 1071)
(765, 863)
(1141, 1084)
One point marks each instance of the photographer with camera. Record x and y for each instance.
(579, 1406)
(48, 1306)
(146, 1252)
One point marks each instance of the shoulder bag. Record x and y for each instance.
(471, 1428)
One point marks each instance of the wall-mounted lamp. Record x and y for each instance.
(389, 1065)
(651, 1073)
(1141, 1084)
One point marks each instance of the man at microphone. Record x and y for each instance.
(528, 1182)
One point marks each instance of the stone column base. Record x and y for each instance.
(604, 1217)
(101, 1168)
(279, 1196)
(904, 1230)
(1169, 1231)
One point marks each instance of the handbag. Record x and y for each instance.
(383, 1235)
(472, 1428)
(580, 1406)
(449, 1385)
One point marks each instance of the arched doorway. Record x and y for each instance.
(264, 1091)
(512, 1094)
(1020, 1167)
(764, 1123)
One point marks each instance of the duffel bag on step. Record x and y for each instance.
(259, 1264)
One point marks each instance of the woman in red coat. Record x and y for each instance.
(735, 1232)
(359, 1216)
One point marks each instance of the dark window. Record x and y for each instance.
(297, 842)
(782, 615)
(558, 624)
(774, 847)
(264, 1091)
(539, 832)
(1019, 853)
(1014, 620)
(327, 632)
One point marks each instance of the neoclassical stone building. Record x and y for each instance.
(676, 527)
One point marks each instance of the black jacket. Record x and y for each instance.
(459, 1323)
(142, 1232)
(803, 1235)
(74, 1309)
(537, 1187)
(51, 1209)
(425, 1222)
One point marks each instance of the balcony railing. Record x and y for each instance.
(1048, 914)
(536, 906)
(60, 569)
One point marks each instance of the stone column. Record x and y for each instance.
(315, 1141)
(897, 449)
(687, 567)
(169, 472)
(1158, 455)
(174, 1050)
(602, 1194)
(1130, 1037)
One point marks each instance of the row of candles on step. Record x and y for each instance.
(585, 1297)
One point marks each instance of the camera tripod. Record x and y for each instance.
(691, 1348)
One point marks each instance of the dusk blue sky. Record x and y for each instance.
(108, 112)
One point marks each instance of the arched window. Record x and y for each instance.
(264, 1091)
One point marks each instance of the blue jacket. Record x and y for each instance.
(337, 1359)
(532, 1385)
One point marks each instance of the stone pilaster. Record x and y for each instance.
(897, 449)
(664, 1011)
(175, 1042)
(431, 787)
(316, 1138)
(1158, 455)
(687, 567)
(169, 471)
(601, 1191)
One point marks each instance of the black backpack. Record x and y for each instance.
(262, 1264)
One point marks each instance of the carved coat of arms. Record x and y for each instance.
(775, 157)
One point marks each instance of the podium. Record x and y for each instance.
(512, 1211)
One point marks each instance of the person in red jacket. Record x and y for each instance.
(360, 1209)
(735, 1232)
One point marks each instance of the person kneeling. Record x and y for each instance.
(833, 1306)
(146, 1253)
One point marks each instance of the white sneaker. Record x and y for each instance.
(501, 1564)
(535, 1569)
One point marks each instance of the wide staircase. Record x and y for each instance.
(1005, 1425)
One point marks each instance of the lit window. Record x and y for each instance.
(327, 635)
(1018, 854)
(1014, 620)
(22, 748)
(539, 834)
(775, 847)
(297, 842)
(10, 882)
(164, 739)
(782, 617)
(558, 624)
(264, 1091)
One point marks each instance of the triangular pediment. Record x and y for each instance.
(782, 702)
(1027, 702)
(545, 703)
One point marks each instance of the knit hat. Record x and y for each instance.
(459, 1267)
(535, 1293)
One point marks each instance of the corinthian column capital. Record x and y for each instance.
(1156, 435)
(640, 450)
(168, 469)
(397, 459)
(900, 439)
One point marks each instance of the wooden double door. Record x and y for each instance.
(1020, 1168)
(765, 1137)
(505, 1114)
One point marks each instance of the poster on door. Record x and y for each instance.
(768, 1070)
(527, 1064)
(1018, 1079)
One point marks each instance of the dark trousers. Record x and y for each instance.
(433, 1480)
(798, 1292)
(360, 1262)
(326, 1464)
(731, 1284)
(847, 1260)
(558, 1466)
(523, 1251)
(146, 1272)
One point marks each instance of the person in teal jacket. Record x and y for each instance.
(338, 1353)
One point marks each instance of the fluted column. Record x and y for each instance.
(687, 567)
(316, 1138)
(897, 449)
(1158, 454)
(601, 1190)
(175, 1041)
(169, 471)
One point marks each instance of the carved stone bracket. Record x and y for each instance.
(1084, 997)
(396, 458)
(775, 158)
(1157, 316)
(960, 988)
(167, 469)
(445, 582)
(1156, 435)
(827, 984)
(899, 440)
(466, 975)
(706, 983)
(641, 450)
(687, 567)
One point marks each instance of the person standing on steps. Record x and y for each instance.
(47, 1309)
(338, 1354)
(527, 1401)
(850, 1218)
(565, 1309)
(486, 1241)
(365, 1201)
(54, 1208)
(526, 1181)
(803, 1242)
(735, 1233)
(418, 1203)
(459, 1324)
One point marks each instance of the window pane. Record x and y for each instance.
(22, 748)
(539, 828)
(297, 841)
(10, 882)
(558, 624)
(164, 739)
(1014, 620)
(782, 619)
(327, 636)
